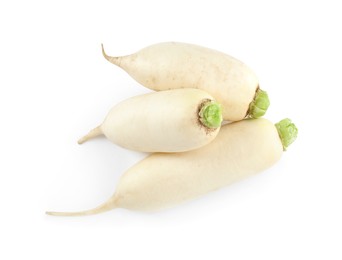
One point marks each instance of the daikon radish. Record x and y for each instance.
(167, 121)
(161, 180)
(173, 65)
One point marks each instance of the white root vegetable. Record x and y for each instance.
(162, 180)
(174, 65)
(166, 121)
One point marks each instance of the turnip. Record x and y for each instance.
(174, 65)
(162, 180)
(166, 121)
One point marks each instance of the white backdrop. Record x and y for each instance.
(55, 86)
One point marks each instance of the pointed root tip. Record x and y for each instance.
(54, 213)
(92, 134)
(67, 214)
(81, 141)
(109, 205)
(84, 139)
(103, 52)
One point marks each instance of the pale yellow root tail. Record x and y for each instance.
(93, 133)
(100, 209)
(114, 60)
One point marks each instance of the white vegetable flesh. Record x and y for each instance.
(172, 65)
(165, 121)
(241, 149)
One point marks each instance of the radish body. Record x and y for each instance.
(167, 121)
(174, 65)
(161, 180)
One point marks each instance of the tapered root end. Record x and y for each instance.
(111, 59)
(72, 214)
(93, 133)
(81, 140)
(259, 105)
(287, 132)
(53, 213)
(109, 205)
(103, 52)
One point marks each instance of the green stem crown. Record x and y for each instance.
(287, 132)
(210, 114)
(259, 105)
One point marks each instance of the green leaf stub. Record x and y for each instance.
(287, 132)
(259, 105)
(210, 114)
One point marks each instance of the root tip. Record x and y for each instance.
(52, 213)
(103, 52)
(93, 133)
(81, 141)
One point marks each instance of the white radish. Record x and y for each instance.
(166, 121)
(172, 65)
(160, 180)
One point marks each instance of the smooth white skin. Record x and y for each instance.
(241, 149)
(165, 121)
(173, 65)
